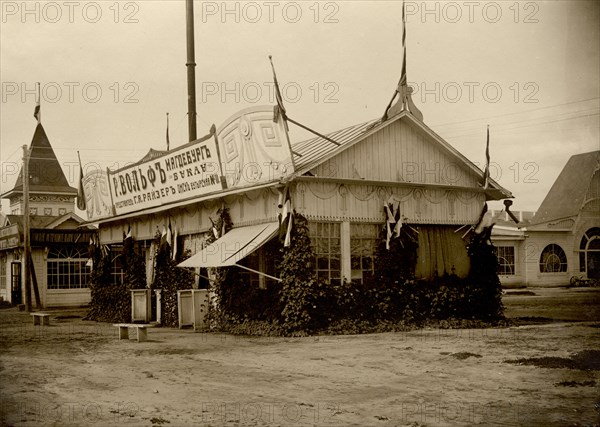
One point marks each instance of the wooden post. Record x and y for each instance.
(26, 242)
(158, 305)
(36, 291)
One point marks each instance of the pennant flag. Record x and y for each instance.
(280, 110)
(286, 217)
(485, 223)
(163, 238)
(169, 234)
(174, 253)
(393, 221)
(128, 235)
(37, 113)
(91, 248)
(105, 251)
(81, 202)
(168, 143)
(214, 228)
(486, 172)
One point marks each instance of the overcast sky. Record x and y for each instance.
(110, 71)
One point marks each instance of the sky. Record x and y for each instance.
(110, 71)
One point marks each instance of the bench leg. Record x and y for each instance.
(123, 333)
(142, 334)
(36, 320)
(46, 320)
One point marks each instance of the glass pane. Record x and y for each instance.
(335, 263)
(355, 263)
(367, 263)
(323, 263)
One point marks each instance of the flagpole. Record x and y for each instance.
(37, 113)
(168, 142)
(26, 236)
(81, 201)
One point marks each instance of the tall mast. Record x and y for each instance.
(26, 242)
(191, 71)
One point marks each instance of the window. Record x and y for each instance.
(589, 253)
(67, 268)
(3, 271)
(117, 273)
(506, 260)
(266, 260)
(325, 239)
(363, 242)
(553, 260)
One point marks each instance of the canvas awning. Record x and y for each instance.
(233, 246)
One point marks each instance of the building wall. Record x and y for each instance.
(247, 208)
(399, 152)
(52, 297)
(519, 276)
(355, 202)
(47, 205)
(535, 244)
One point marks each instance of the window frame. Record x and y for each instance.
(324, 234)
(360, 240)
(553, 250)
(509, 261)
(67, 269)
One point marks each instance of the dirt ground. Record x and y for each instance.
(77, 372)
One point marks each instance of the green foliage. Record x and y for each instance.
(111, 302)
(236, 302)
(170, 279)
(308, 303)
(393, 299)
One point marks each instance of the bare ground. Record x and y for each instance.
(77, 372)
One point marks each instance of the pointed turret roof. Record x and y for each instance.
(45, 174)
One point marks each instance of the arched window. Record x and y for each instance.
(589, 253)
(67, 268)
(553, 259)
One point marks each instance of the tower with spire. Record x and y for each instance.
(49, 191)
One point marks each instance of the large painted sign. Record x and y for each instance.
(254, 148)
(188, 171)
(97, 195)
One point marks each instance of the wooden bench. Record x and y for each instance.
(41, 319)
(142, 333)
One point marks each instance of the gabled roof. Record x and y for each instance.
(45, 221)
(35, 221)
(311, 153)
(46, 175)
(567, 194)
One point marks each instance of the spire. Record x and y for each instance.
(45, 172)
(403, 91)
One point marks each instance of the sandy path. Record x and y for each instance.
(77, 373)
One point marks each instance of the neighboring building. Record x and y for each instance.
(564, 235)
(340, 185)
(509, 239)
(58, 240)
(562, 240)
